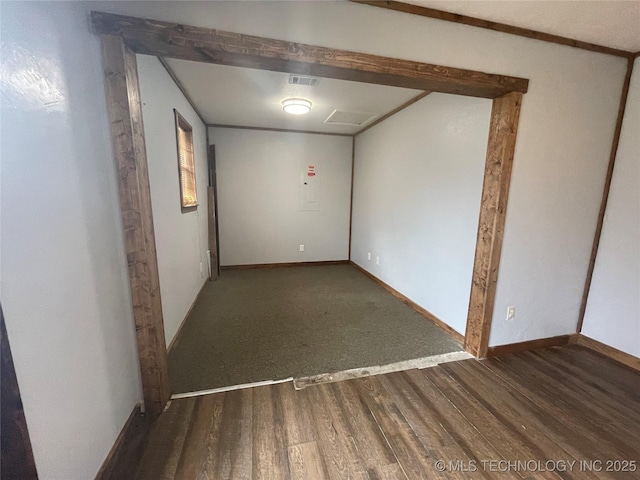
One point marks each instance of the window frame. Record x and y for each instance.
(182, 124)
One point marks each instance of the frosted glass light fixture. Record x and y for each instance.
(296, 106)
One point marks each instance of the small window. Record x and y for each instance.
(186, 164)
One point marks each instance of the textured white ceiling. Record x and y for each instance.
(247, 97)
(612, 23)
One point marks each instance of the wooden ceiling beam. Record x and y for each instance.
(173, 40)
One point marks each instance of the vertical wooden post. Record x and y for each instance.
(212, 197)
(353, 171)
(213, 252)
(127, 134)
(495, 193)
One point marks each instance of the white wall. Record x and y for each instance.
(566, 128)
(65, 290)
(416, 200)
(613, 308)
(260, 176)
(181, 238)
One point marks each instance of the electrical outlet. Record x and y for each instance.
(369, 256)
(302, 248)
(377, 260)
(511, 313)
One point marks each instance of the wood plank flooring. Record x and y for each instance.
(528, 415)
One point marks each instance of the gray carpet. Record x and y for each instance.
(268, 324)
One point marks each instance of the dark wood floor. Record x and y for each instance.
(545, 409)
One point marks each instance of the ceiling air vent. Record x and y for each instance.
(302, 80)
(343, 117)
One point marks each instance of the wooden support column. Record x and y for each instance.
(127, 134)
(213, 249)
(495, 193)
(353, 171)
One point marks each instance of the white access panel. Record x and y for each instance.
(310, 189)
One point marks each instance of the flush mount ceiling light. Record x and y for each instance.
(296, 106)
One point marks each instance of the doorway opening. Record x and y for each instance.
(123, 37)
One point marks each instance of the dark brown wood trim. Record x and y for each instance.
(127, 135)
(211, 234)
(285, 264)
(393, 112)
(186, 42)
(498, 27)
(184, 320)
(353, 171)
(206, 135)
(214, 227)
(284, 130)
(531, 345)
(636, 55)
(182, 89)
(107, 465)
(505, 115)
(16, 457)
(212, 217)
(608, 351)
(605, 194)
(422, 311)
